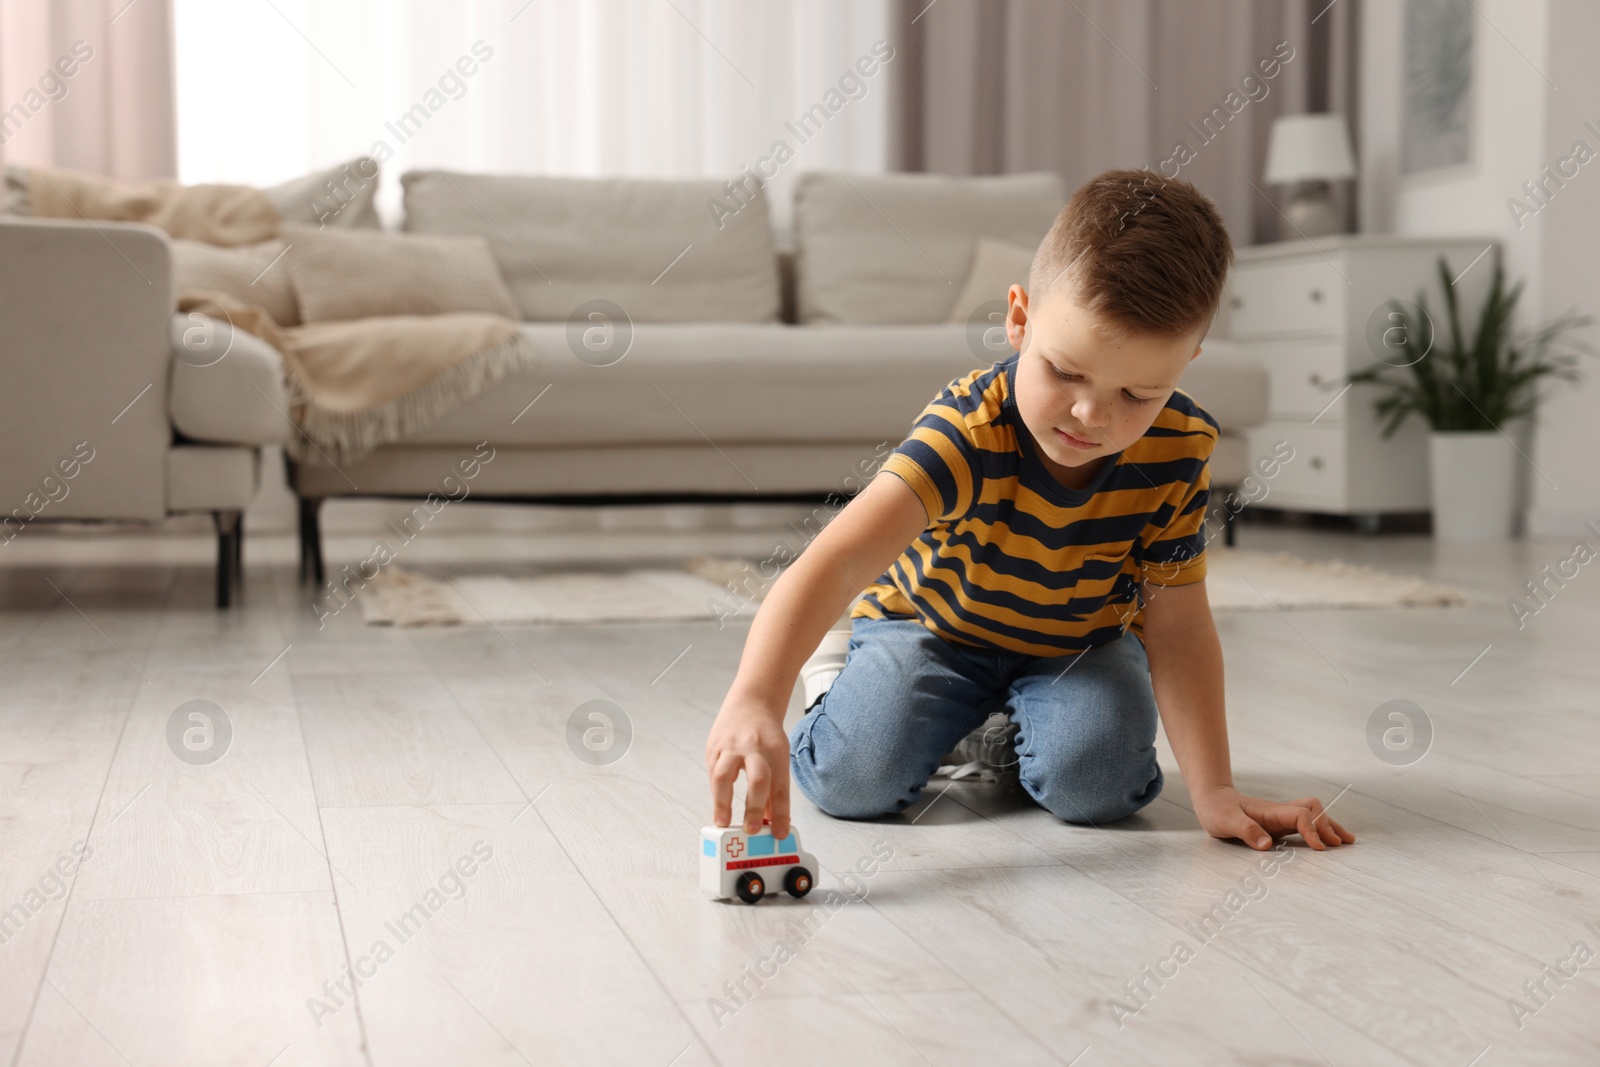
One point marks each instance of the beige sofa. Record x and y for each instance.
(746, 373)
(682, 357)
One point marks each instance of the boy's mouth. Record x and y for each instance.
(1075, 442)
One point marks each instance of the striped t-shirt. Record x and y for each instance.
(1012, 559)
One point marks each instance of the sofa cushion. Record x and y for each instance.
(651, 247)
(687, 382)
(895, 248)
(684, 383)
(227, 385)
(356, 274)
(996, 266)
(342, 196)
(254, 274)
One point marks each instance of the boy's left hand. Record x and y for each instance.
(1225, 812)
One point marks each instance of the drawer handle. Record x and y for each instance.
(1236, 303)
(1315, 378)
(1316, 463)
(1316, 296)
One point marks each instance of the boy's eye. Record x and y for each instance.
(1068, 377)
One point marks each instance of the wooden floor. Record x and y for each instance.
(405, 804)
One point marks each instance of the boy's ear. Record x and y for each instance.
(1016, 316)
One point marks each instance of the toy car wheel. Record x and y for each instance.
(750, 887)
(797, 881)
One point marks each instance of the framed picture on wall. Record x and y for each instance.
(1436, 109)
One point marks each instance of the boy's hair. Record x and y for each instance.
(1148, 252)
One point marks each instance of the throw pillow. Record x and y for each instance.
(341, 196)
(356, 274)
(255, 274)
(996, 265)
(874, 249)
(14, 198)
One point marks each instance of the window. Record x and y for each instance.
(648, 88)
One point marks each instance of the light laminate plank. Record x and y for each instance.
(393, 737)
(246, 823)
(199, 980)
(500, 949)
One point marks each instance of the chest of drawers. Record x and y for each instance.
(1312, 312)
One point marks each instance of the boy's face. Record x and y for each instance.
(1084, 391)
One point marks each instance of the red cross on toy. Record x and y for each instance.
(736, 847)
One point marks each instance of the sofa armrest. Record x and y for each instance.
(227, 384)
(83, 368)
(1229, 384)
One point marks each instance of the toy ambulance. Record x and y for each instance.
(748, 866)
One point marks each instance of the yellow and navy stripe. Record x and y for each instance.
(1011, 558)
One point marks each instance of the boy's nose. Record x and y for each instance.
(1090, 414)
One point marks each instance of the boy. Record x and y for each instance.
(1051, 503)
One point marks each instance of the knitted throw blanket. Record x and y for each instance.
(357, 385)
(353, 385)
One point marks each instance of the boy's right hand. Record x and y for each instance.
(749, 734)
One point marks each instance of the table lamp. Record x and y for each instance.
(1312, 150)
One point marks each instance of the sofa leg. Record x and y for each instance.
(300, 536)
(238, 559)
(230, 531)
(311, 540)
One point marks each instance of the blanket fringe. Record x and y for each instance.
(346, 436)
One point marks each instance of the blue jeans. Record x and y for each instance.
(906, 696)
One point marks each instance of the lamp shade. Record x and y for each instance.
(1309, 147)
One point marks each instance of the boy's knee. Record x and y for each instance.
(838, 784)
(843, 791)
(1086, 798)
(845, 799)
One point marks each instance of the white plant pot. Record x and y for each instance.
(1474, 484)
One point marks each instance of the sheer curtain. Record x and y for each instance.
(87, 85)
(653, 88)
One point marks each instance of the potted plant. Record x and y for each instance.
(1469, 390)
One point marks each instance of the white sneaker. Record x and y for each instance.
(824, 665)
(988, 753)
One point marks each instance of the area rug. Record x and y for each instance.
(708, 586)
(405, 598)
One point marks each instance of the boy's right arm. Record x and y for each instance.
(850, 552)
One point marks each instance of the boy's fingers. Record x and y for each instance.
(723, 773)
(778, 804)
(1325, 824)
(1308, 831)
(757, 781)
(1251, 833)
(1318, 812)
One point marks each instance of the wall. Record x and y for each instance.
(1533, 82)
(1569, 434)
